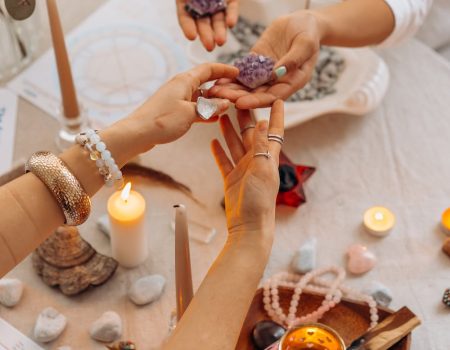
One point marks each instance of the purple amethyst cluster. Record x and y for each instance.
(204, 8)
(254, 70)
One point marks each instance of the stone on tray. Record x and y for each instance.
(66, 260)
(107, 328)
(204, 8)
(359, 259)
(49, 325)
(11, 290)
(304, 259)
(147, 289)
(446, 246)
(254, 70)
(381, 293)
(104, 225)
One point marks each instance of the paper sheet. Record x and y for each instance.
(12, 339)
(119, 55)
(8, 115)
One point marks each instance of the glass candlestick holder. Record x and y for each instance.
(70, 128)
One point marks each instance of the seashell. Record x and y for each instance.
(76, 271)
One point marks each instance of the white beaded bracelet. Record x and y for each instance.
(106, 164)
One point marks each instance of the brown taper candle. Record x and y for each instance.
(68, 93)
(183, 274)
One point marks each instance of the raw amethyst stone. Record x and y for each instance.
(254, 70)
(204, 8)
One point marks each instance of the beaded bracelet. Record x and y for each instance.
(106, 164)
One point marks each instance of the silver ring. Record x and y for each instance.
(247, 127)
(274, 137)
(263, 154)
(276, 140)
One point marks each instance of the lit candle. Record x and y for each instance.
(379, 221)
(183, 274)
(126, 211)
(445, 221)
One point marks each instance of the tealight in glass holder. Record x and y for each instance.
(70, 128)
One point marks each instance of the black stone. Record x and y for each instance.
(288, 177)
(265, 333)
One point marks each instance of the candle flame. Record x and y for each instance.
(126, 192)
(379, 216)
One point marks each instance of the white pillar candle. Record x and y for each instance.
(126, 211)
(379, 221)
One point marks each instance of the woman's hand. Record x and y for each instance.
(251, 183)
(294, 42)
(171, 111)
(212, 30)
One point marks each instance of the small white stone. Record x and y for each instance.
(104, 225)
(381, 294)
(110, 163)
(89, 132)
(94, 139)
(49, 325)
(106, 155)
(107, 328)
(11, 290)
(147, 289)
(304, 259)
(206, 108)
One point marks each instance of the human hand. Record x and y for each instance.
(171, 111)
(294, 42)
(251, 183)
(211, 30)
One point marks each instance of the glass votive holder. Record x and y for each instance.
(70, 128)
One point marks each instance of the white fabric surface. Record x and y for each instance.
(409, 16)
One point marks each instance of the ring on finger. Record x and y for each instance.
(263, 154)
(247, 127)
(276, 138)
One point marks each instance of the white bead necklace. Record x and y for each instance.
(310, 282)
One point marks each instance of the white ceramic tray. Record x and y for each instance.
(359, 90)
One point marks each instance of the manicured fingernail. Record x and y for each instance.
(281, 71)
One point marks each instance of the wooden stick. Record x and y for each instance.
(68, 93)
(183, 274)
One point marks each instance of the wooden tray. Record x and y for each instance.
(349, 318)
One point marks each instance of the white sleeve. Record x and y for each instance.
(409, 16)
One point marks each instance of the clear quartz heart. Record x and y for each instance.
(206, 108)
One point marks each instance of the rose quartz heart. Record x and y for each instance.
(360, 259)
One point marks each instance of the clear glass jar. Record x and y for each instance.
(19, 41)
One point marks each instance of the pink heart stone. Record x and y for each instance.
(360, 259)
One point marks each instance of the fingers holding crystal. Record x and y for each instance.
(206, 108)
(207, 72)
(186, 22)
(220, 29)
(232, 139)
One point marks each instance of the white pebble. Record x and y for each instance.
(49, 325)
(381, 294)
(147, 289)
(107, 328)
(304, 259)
(104, 225)
(11, 290)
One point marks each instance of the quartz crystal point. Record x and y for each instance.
(204, 8)
(254, 70)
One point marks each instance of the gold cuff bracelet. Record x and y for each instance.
(65, 187)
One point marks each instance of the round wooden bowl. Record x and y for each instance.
(349, 318)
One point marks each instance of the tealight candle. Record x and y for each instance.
(126, 211)
(445, 221)
(379, 221)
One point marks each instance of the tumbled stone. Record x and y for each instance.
(304, 259)
(206, 107)
(147, 289)
(107, 328)
(11, 290)
(359, 259)
(381, 294)
(446, 246)
(266, 333)
(49, 325)
(254, 70)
